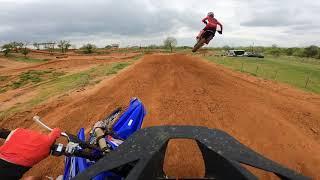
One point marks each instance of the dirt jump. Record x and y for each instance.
(273, 119)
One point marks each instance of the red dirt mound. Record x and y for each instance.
(183, 90)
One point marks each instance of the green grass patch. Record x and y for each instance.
(34, 77)
(62, 84)
(3, 78)
(77, 80)
(136, 58)
(301, 73)
(3, 90)
(30, 60)
(9, 112)
(102, 52)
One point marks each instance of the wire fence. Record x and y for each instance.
(299, 77)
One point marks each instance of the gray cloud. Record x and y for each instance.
(275, 18)
(149, 21)
(50, 20)
(280, 13)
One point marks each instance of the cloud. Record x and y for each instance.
(47, 20)
(280, 13)
(150, 21)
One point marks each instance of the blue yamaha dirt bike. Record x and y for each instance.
(104, 137)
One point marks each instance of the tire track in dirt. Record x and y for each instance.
(184, 90)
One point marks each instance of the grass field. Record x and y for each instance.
(29, 60)
(29, 77)
(64, 83)
(299, 72)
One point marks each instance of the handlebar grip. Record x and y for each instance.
(101, 141)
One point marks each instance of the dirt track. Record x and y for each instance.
(71, 63)
(184, 90)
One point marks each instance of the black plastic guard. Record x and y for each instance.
(222, 155)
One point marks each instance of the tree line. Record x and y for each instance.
(16, 47)
(24, 47)
(310, 51)
(63, 46)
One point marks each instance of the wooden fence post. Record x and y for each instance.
(242, 67)
(275, 76)
(257, 69)
(307, 80)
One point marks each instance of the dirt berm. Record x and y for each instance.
(273, 119)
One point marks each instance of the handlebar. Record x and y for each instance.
(84, 145)
(61, 150)
(79, 148)
(87, 150)
(71, 137)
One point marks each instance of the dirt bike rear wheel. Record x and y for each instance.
(199, 44)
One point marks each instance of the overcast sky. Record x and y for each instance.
(145, 22)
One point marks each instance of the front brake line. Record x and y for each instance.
(37, 119)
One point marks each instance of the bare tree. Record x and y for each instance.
(170, 42)
(61, 45)
(6, 48)
(67, 46)
(64, 45)
(16, 45)
(20, 45)
(88, 48)
(24, 50)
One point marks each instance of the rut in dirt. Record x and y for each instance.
(185, 90)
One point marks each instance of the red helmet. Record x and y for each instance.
(211, 14)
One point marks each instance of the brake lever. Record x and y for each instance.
(37, 119)
(70, 137)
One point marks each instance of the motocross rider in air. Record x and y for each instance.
(211, 24)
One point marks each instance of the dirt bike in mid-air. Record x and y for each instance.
(117, 148)
(205, 38)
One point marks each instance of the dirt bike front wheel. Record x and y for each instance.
(199, 44)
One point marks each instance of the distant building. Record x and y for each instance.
(243, 53)
(235, 53)
(116, 46)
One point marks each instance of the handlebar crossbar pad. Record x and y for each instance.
(223, 155)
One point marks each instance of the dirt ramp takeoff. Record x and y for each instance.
(184, 90)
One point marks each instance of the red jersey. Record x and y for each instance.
(26, 147)
(212, 22)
